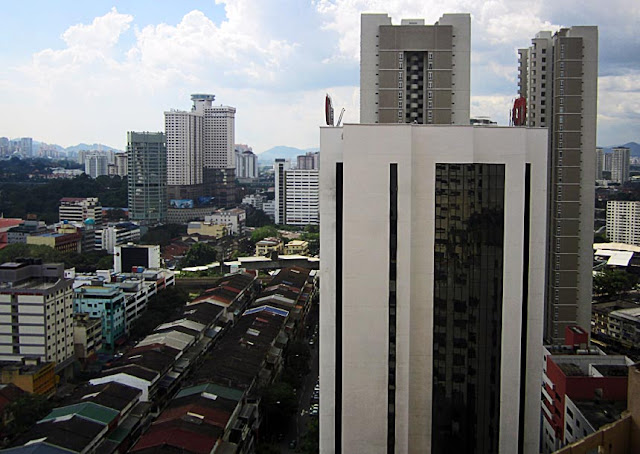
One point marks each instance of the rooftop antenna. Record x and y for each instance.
(340, 118)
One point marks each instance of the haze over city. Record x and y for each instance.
(89, 71)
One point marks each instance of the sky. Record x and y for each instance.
(89, 71)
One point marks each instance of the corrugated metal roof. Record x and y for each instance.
(88, 410)
(222, 391)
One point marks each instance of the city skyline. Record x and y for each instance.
(95, 71)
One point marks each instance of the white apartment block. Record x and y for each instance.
(302, 197)
(96, 165)
(36, 313)
(218, 126)
(234, 219)
(79, 209)
(432, 289)
(108, 238)
(623, 222)
(255, 200)
(620, 161)
(415, 73)
(185, 147)
(246, 162)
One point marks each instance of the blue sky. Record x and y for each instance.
(88, 71)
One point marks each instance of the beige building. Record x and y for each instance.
(31, 375)
(207, 229)
(558, 76)
(87, 336)
(36, 312)
(297, 247)
(268, 245)
(415, 73)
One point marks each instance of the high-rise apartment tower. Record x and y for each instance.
(415, 73)
(147, 180)
(558, 76)
(432, 290)
(620, 161)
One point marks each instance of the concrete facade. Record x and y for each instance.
(365, 339)
(36, 313)
(415, 73)
(560, 75)
(623, 221)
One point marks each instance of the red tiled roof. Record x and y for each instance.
(212, 416)
(189, 441)
(7, 223)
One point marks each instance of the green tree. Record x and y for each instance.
(199, 254)
(310, 442)
(263, 232)
(613, 282)
(163, 235)
(279, 404)
(27, 410)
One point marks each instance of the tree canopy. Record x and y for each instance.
(613, 282)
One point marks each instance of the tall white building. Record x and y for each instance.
(36, 312)
(96, 165)
(620, 161)
(558, 76)
(432, 290)
(246, 162)
(302, 197)
(415, 73)
(185, 148)
(623, 222)
(200, 150)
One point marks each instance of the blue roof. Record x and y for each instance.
(273, 310)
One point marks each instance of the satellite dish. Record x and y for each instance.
(328, 110)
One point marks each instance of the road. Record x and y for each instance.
(298, 427)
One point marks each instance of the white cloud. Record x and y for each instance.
(273, 60)
(103, 33)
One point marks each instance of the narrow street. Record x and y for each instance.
(298, 427)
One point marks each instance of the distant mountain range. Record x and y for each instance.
(633, 146)
(269, 156)
(73, 149)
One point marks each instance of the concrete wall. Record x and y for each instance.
(416, 150)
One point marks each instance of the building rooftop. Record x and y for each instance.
(73, 434)
(90, 411)
(599, 412)
(240, 355)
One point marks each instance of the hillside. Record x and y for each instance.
(281, 151)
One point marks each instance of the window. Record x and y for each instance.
(400, 75)
(429, 84)
(400, 65)
(430, 75)
(399, 114)
(430, 104)
(430, 95)
(430, 55)
(430, 65)
(400, 56)
(400, 104)
(399, 84)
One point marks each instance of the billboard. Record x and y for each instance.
(205, 201)
(181, 203)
